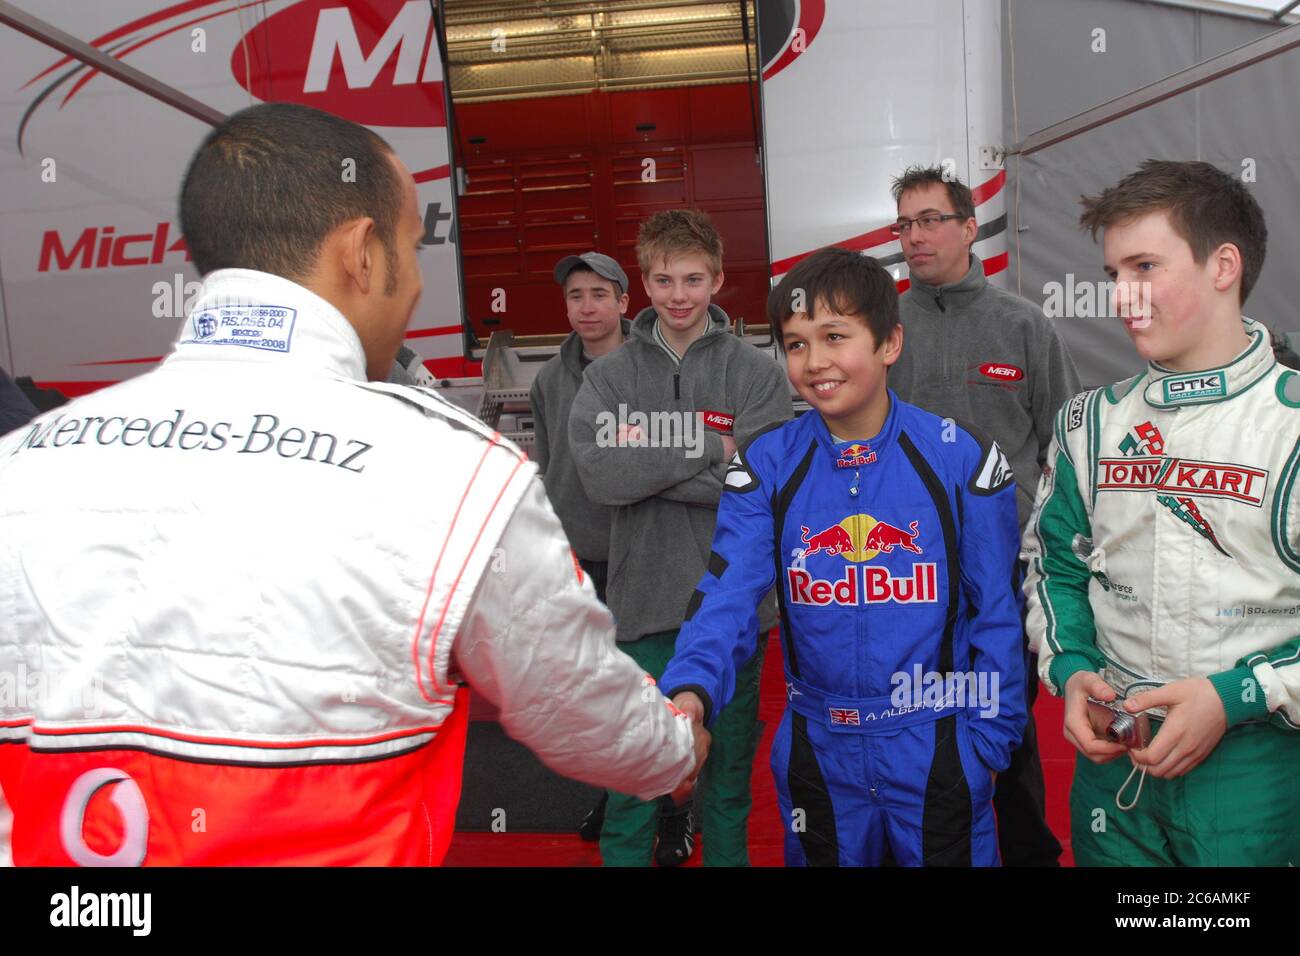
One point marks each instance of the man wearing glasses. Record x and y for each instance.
(976, 354)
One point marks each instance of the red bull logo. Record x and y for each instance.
(834, 540)
(864, 585)
(859, 538)
(885, 537)
(855, 455)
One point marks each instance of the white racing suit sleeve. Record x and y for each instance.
(539, 645)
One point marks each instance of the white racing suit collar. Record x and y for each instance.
(247, 316)
(1170, 389)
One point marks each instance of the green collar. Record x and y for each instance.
(1170, 389)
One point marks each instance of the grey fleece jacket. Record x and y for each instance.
(665, 498)
(977, 354)
(556, 385)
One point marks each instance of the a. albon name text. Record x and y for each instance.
(262, 435)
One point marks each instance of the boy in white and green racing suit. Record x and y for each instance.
(1164, 549)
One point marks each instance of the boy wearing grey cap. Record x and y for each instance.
(595, 295)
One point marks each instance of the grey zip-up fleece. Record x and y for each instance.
(975, 353)
(585, 523)
(665, 499)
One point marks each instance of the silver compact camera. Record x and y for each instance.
(1119, 726)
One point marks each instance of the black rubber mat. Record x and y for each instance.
(507, 789)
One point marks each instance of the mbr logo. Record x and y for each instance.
(374, 62)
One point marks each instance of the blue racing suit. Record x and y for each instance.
(895, 561)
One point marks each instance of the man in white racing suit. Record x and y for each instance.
(239, 594)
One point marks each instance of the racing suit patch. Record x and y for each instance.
(1074, 414)
(739, 477)
(265, 327)
(994, 472)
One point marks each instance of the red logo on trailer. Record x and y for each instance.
(375, 62)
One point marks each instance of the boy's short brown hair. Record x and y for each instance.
(1206, 208)
(678, 232)
(844, 281)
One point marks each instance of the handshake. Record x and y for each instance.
(691, 705)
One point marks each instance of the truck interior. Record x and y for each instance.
(572, 123)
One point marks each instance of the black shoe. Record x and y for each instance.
(591, 825)
(676, 838)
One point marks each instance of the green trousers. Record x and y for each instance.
(1240, 807)
(722, 792)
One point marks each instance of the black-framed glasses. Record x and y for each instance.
(928, 222)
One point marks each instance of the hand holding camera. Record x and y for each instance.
(1111, 720)
(1193, 727)
(1086, 725)
(1102, 727)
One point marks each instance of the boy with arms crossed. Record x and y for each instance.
(691, 378)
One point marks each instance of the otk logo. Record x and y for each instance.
(859, 538)
(128, 799)
(374, 62)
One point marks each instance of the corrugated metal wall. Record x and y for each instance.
(1251, 115)
(508, 50)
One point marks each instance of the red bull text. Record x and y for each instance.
(863, 585)
(855, 455)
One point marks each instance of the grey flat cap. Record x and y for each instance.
(597, 262)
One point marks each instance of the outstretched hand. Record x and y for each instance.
(691, 705)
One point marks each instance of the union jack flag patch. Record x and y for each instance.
(841, 716)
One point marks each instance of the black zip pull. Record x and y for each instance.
(677, 385)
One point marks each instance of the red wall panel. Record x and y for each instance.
(722, 113)
(631, 112)
(511, 125)
(564, 174)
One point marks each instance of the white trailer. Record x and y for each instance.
(95, 275)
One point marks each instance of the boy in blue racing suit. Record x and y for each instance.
(891, 535)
